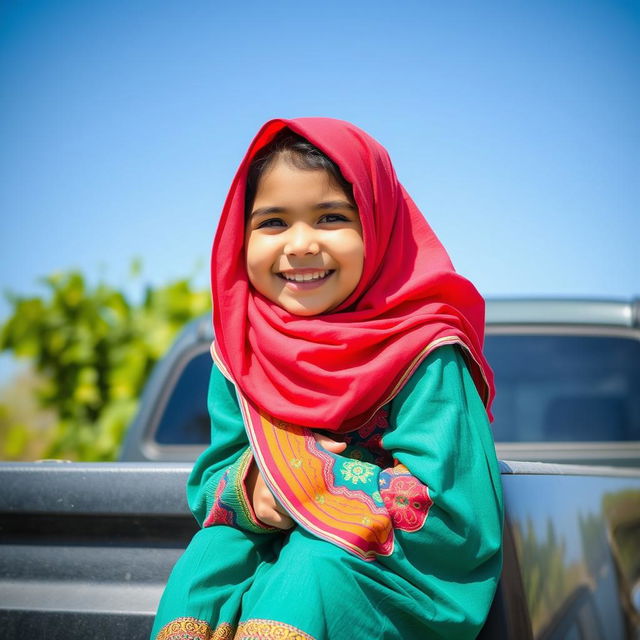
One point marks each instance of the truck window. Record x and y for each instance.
(564, 388)
(185, 420)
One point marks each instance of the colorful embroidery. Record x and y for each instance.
(231, 505)
(356, 471)
(220, 513)
(194, 629)
(258, 629)
(366, 443)
(406, 498)
(315, 494)
(255, 629)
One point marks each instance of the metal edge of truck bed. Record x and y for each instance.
(158, 488)
(511, 467)
(151, 488)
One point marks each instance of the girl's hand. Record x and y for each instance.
(331, 445)
(267, 509)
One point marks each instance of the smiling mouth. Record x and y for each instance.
(309, 276)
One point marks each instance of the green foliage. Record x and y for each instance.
(93, 349)
(24, 425)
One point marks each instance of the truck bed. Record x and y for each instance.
(85, 549)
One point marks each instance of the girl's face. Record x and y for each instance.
(303, 240)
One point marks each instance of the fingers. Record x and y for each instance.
(265, 506)
(331, 445)
(278, 520)
(269, 511)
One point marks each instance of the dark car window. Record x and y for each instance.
(185, 420)
(561, 388)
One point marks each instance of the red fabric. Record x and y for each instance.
(333, 370)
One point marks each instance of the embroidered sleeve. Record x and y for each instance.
(406, 499)
(230, 503)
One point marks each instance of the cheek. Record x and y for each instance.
(254, 258)
(353, 252)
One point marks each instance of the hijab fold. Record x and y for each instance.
(334, 370)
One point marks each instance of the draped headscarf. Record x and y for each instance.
(334, 370)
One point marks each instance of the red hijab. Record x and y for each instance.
(334, 370)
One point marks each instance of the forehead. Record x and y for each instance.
(283, 180)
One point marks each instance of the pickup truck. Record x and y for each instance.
(85, 548)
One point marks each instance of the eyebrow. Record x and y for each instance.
(321, 206)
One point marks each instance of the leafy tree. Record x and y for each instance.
(25, 427)
(94, 349)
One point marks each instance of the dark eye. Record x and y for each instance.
(271, 222)
(334, 217)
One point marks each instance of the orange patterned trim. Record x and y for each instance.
(259, 629)
(300, 476)
(194, 629)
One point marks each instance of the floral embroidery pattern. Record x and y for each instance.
(255, 629)
(366, 443)
(356, 471)
(406, 499)
(194, 629)
(258, 629)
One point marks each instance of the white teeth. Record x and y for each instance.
(304, 277)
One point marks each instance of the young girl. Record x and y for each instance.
(351, 489)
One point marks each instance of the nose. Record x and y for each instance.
(301, 240)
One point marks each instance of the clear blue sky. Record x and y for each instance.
(515, 126)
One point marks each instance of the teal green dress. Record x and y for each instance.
(434, 460)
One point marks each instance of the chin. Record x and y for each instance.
(302, 311)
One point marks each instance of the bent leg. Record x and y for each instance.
(315, 590)
(202, 599)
